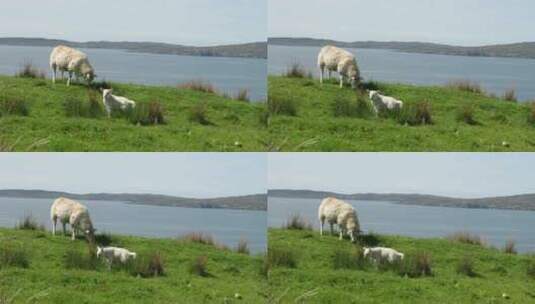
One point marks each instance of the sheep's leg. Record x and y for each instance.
(73, 233)
(54, 70)
(322, 69)
(321, 226)
(341, 81)
(62, 74)
(332, 228)
(64, 228)
(330, 74)
(69, 80)
(341, 234)
(54, 222)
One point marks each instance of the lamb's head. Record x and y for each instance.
(372, 93)
(106, 93)
(99, 251)
(365, 251)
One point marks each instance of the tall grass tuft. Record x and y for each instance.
(510, 95)
(198, 85)
(29, 222)
(281, 257)
(264, 117)
(76, 259)
(345, 107)
(465, 266)
(199, 237)
(199, 266)
(510, 247)
(243, 95)
(147, 265)
(530, 267)
(28, 70)
(90, 108)
(282, 106)
(465, 113)
(296, 70)
(199, 114)
(349, 259)
(13, 256)
(146, 114)
(466, 86)
(531, 113)
(416, 114)
(243, 247)
(466, 238)
(297, 222)
(416, 265)
(14, 106)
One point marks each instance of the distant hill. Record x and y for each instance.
(246, 202)
(514, 50)
(515, 202)
(246, 50)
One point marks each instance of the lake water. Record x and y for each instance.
(225, 225)
(496, 75)
(227, 74)
(495, 226)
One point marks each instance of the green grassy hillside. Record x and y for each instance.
(230, 277)
(486, 124)
(497, 277)
(227, 125)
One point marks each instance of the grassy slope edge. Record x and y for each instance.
(48, 281)
(501, 125)
(498, 273)
(235, 125)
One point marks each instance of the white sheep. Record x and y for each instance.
(75, 214)
(113, 102)
(113, 254)
(338, 212)
(382, 102)
(341, 61)
(378, 254)
(66, 59)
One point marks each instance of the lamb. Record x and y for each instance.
(341, 61)
(381, 102)
(338, 212)
(112, 254)
(113, 102)
(66, 59)
(69, 211)
(378, 254)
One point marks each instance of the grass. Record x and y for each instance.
(465, 86)
(38, 265)
(296, 70)
(312, 118)
(430, 272)
(40, 114)
(297, 222)
(467, 238)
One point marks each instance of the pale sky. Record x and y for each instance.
(191, 22)
(201, 175)
(459, 22)
(465, 175)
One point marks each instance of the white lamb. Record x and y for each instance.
(113, 254)
(341, 61)
(381, 102)
(113, 102)
(66, 59)
(338, 212)
(378, 254)
(75, 214)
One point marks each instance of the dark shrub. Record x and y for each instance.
(199, 114)
(13, 256)
(100, 85)
(14, 106)
(29, 222)
(349, 259)
(510, 95)
(416, 265)
(103, 239)
(370, 86)
(281, 257)
(242, 247)
(198, 85)
(243, 95)
(199, 266)
(28, 70)
(282, 106)
(465, 113)
(296, 222)
(465, 85)
(296, 70)
(369, 240)
(466, 267)
(510, 247)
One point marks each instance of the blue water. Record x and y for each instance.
(495, 226)
(225, 225)
(227, 74)
(496, 75)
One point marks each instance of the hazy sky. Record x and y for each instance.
(193, 22)
(451, 174)
(461, 22)
(184, 174)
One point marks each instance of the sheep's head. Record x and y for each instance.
(90, 76)
(353, 229)
(354, 76)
